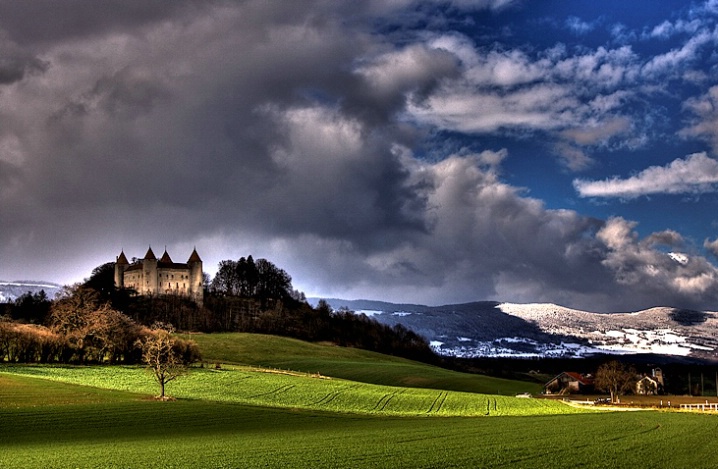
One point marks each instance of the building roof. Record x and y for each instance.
(166, 257)
(165, 262)
(582, 379)
(194, 257)
(122, 259)
(585, 380)
(150, 256)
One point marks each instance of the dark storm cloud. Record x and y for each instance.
(284, 129)
(16, 63)
(175, 119)
(50, 21)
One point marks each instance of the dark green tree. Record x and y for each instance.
(102, 280)
(31, 307)
(226, 281)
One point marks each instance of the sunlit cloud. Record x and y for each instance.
(695, 174)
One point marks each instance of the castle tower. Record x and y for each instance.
(149, 270)
(121, 265)
(658, 375)
(196, 289)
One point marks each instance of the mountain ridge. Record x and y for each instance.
(535, 330)
(11, 290)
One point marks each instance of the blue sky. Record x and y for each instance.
(430, 152)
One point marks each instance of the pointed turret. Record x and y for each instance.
(166, 257)
(150, 256)
(122, 259)
(150, 280)
(194, 257)
(196, 277)
(120, 266)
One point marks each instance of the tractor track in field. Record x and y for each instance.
(438, 402)
(384, 401)
(329, 397)
(279, 390)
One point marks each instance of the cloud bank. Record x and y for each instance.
(297, 132)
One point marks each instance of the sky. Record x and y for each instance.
(429, 152)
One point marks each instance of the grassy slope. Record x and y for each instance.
(53, 424)
(25, 391)
(115, 431)
(346, 363)
(252, 386)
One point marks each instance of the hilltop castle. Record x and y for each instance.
(149, 276)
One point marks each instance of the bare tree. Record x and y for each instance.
(161, 357)
(111, 335)
(616, 378)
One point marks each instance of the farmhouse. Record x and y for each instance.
(150, 276)
(650, 384)
(569, 382)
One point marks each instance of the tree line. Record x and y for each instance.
(81, 328)
(94, 322)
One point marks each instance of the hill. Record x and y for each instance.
(493, 329)
(346, 363)
(10, 291)
(242, 416)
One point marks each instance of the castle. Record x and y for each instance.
(149, 276)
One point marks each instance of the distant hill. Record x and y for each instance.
(493, 329)
(10, 291)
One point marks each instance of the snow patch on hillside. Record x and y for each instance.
(625, 333)
(368, 312)
(10, 291)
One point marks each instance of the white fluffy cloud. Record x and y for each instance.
(704, 119)
(712, 246)
(695, 174)
(645, 270)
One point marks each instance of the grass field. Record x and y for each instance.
(242, 416)
(116, 429)
(348, 363)
(258, 387)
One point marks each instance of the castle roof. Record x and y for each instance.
(194, 257)
(165, 262)
(122, 259)
(150, 256)
(166, 258)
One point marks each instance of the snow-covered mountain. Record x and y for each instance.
(491, 329)
(9, 291)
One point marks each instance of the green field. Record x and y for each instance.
(117, 429)
(241, 416)
(348, 363)
(258, 387)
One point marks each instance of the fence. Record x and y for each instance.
(702, 407)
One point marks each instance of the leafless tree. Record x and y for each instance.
(161, 357)
(616, 378)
